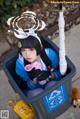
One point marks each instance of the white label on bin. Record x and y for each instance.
(55, 98)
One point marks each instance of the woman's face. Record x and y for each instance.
(29, 54)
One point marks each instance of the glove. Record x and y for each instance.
(43, 75)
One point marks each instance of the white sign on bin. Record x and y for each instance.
(55, 98)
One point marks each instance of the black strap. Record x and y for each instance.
(26, 62)
(46, 59)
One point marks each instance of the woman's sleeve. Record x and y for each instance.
(20, 70)
(23, 74)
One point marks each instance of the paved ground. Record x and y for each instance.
(73, 52)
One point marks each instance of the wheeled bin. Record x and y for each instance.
(54, 100)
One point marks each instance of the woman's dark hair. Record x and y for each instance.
(31, 42)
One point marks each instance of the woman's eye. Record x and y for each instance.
(31, 49)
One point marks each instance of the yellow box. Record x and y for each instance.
(25, 111)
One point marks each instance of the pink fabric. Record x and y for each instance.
(36, 65)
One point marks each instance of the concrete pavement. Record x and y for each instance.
(73, 52)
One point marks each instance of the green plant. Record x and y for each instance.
(10, 8)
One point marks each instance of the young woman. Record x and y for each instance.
(36, 65)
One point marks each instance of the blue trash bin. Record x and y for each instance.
(53, 101)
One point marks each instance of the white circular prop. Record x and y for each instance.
(29, 20)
